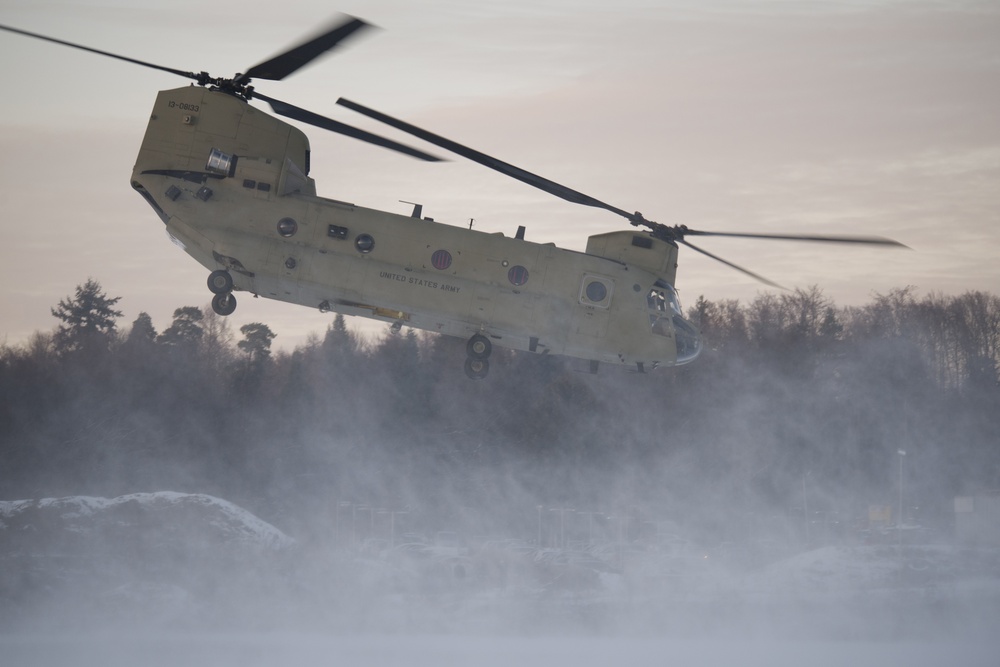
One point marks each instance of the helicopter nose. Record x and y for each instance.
(688, 340)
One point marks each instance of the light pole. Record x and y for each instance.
(899, 523)
(805, 506)
(354, 526)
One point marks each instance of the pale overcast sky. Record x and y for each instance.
(805, 117)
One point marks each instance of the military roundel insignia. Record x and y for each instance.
(441, 260)
(518, 275)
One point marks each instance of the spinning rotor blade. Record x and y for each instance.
(868, 240)
(297, 113)
(190, 75)
(498, 165)
(282, 65)
(670, 234)
(678, 233)
(276, 68)
(730, 264)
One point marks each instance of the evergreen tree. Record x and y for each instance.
(142, 333)
(88, 320)
(340, 343)
(831, 328)
(186, 330)
(256, 342)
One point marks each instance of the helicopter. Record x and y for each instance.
(231, 185)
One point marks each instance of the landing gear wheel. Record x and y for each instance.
(224, 304)
(220, 282)
(479, 347)
(477, 369)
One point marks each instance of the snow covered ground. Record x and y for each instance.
(480, 651)
(188, 579)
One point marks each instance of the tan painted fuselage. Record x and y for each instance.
(252, 210)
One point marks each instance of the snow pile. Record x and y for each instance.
(166, 514)
(150, 559)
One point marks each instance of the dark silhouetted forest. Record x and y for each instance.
(793, 400)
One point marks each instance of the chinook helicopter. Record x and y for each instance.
(231, 185)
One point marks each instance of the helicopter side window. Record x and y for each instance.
(663, 305)
(675, 304)
(656, 300)
(660, 325)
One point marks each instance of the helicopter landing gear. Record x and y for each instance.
(220, 282)
(479, 347)
(224, 304)
(477, 369)
(477, 366)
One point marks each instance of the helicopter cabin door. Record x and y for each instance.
(593, 306)
(290, 253)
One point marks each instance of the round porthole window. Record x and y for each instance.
(596, 291)
(518, 275)
(287, 227)
(365, 243)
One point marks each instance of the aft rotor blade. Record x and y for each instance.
(305, 116)
(189, 75)
(280, 66)
(730, 264)
(487, 161)
(867, 240)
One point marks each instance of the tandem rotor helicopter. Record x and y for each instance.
(231, 185)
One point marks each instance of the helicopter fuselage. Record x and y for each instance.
(231, 185)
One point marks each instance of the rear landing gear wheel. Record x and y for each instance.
(477, 369)
(479, 347)
(224, 304)
(220, 282)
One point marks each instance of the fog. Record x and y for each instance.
(183, 500)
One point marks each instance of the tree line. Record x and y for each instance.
(794, 401)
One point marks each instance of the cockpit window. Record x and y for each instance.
(663, 298)
(666, 319)
(656, 300)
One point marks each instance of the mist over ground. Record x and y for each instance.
(187, 496)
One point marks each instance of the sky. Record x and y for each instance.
(876, 118)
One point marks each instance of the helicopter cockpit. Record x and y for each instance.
(665, 315)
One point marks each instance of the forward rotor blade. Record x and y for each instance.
(305, 116)
(189, 75)
(282, 65)
(487, 161)
(730, 264)
(867, 240)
